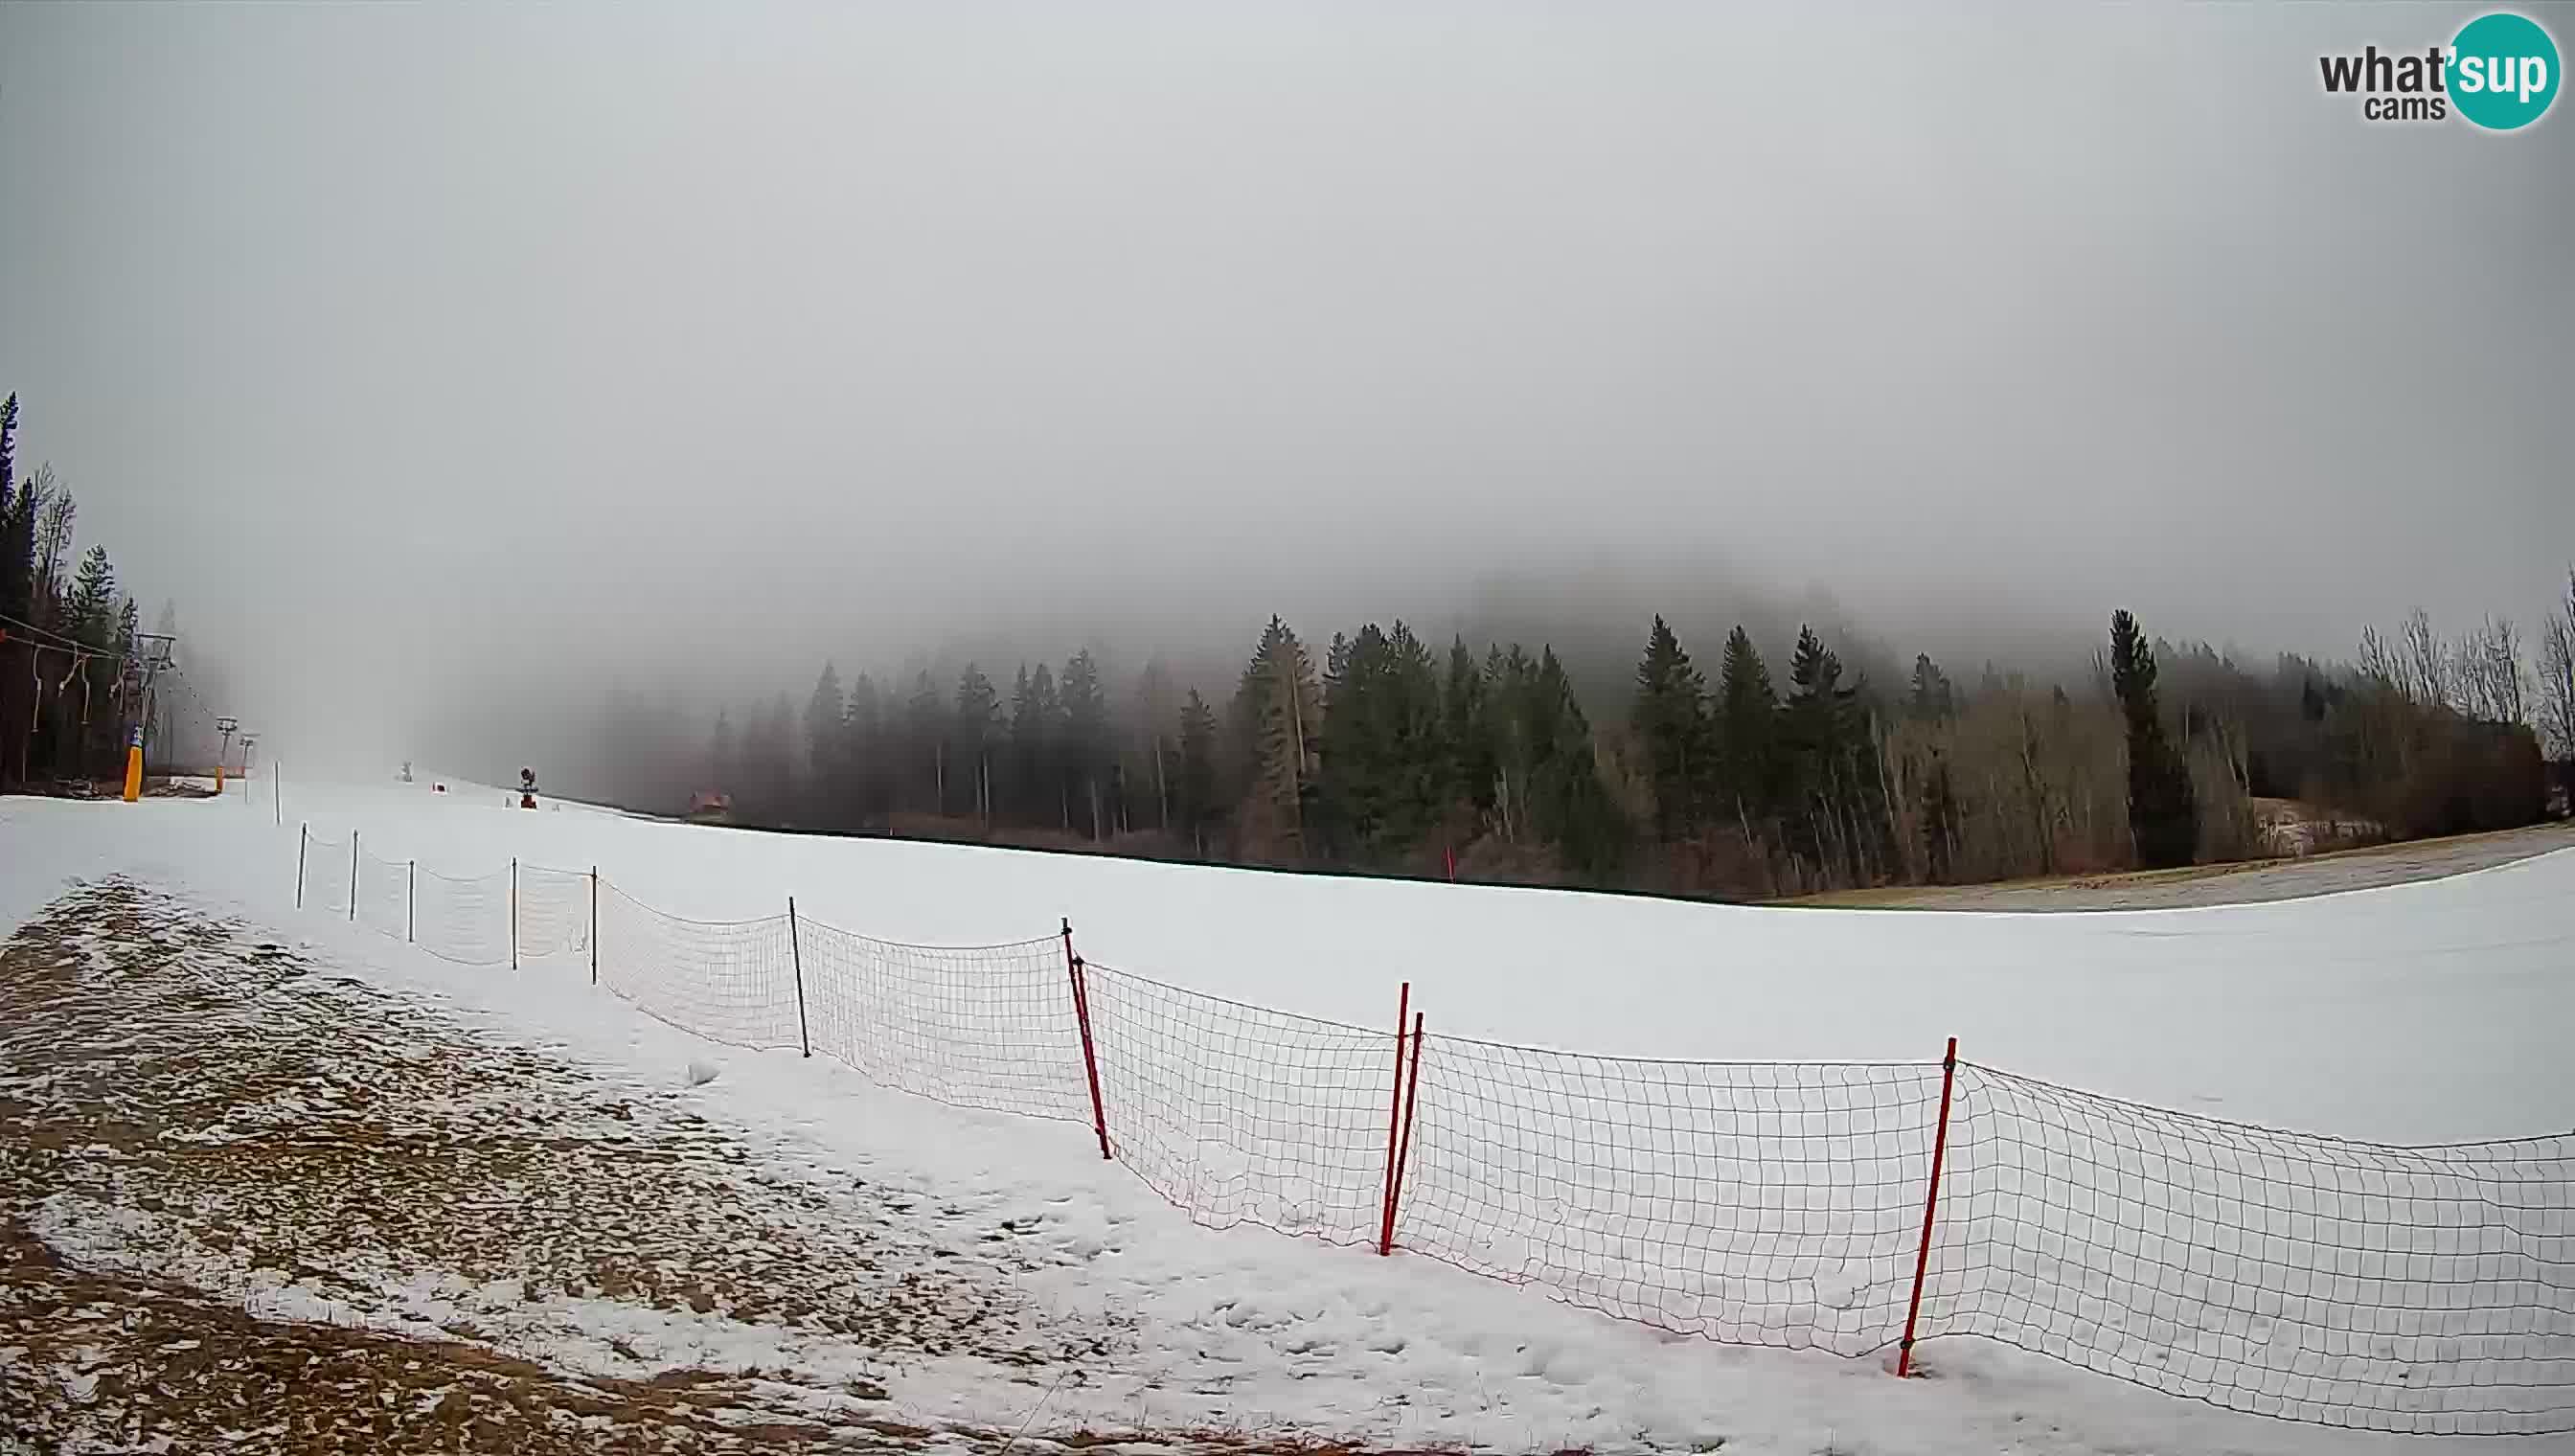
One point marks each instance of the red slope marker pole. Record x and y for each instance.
(1930, 1206)
(1072, 969)
(1393, 1126)
(1403, 1149)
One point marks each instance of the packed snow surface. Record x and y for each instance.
(2419, 1012)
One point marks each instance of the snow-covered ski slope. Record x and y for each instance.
(2420, 1012)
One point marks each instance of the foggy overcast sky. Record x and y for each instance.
(574, 342)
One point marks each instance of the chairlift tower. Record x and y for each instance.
(152, 654)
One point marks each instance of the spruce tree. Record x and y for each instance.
(1195, 791)
(2162, 815)
(17, 524)
(1277, 712)
(978, 732)
(1931, 701)
(924, 730)
(93, 600)
(1939, 821)
(1671, 721)
(868, 788)
(1747, 731)
(1464, 732)
(722, 760)
(824, 714)
(1085, 736)
(1381, 757)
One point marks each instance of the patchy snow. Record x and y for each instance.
(2293, 1014)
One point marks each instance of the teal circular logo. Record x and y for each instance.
(2503, 71)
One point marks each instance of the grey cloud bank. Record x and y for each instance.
(463, 360)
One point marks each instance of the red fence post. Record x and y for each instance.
(1930, 1206)
(1404, 1148)
(1403, 1145)
(1090, 1053)
(1393, 1124)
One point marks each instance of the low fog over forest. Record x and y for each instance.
(722, 412)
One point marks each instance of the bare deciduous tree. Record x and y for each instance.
(2557, 674)
(2425, 661)
(2486, 672)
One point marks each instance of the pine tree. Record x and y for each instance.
(1277, 710)
(1381, 760)
(1747, 732)
(1085, 735)
(1569, 807)
(2162, 815)
(925, 734)
(1670, 720)
(16, 555)
(1939, 821)
(723, 763)
(1195, 790)
(1464, 732)
(93, 600)
(1052, 791)
(868, 788)
(979, 729)
(1931, 701)
(825, 712)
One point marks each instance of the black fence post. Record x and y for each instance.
(795, 952)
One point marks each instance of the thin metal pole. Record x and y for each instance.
(303, 834)
(1090, 1053)
(1393, 1126)
(353, 876)
(411, 904)
(1930, 1205)
(796, 950)
(594, 924)
(514, 912)
(277, 790)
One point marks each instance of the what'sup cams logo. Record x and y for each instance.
(2499, 72)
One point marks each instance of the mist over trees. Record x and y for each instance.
(1383, 752)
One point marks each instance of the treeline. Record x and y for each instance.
(1381, 752)
(67, 698)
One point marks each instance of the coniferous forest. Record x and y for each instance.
(1726, 771)
(68, 636)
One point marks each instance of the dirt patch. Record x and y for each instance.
(245, 1202)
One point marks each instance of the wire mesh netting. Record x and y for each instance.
(325, 868)
(989, 1027)
(466, 921)
(1243, 1115)
(732, 982)
(553, 908)
(1774, 1204)
(2427, 1291)
(384, 896)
